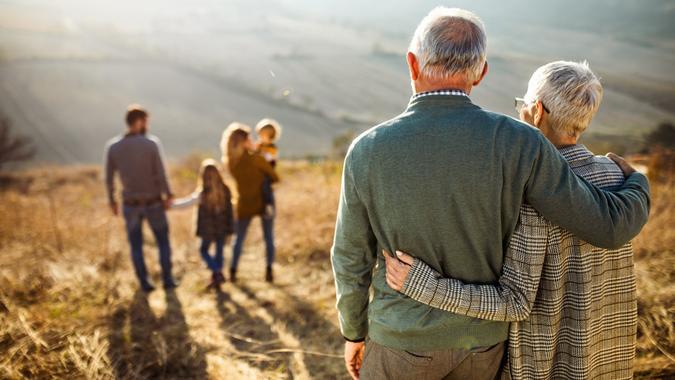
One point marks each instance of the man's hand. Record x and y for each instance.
(397, 269)
(113, 207)
(168, 201)
(623, 164)
(354, 358)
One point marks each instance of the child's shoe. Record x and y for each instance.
(214, 281)
(233, 275)
(269, 275)
(220, 278)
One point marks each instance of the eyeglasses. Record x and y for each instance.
(519, 103)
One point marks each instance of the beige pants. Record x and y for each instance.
(380, 362)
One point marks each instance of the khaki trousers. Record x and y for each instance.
(380, 362)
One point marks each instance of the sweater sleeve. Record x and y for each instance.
(602, 218)
(186, 202)
(511, 299)
(353, 257)
(110, 170)
(160, 170)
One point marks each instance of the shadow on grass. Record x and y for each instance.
(143, 346)
(315, 333)
(251, 336)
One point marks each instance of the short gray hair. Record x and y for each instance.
(570, 91)
(450, 41)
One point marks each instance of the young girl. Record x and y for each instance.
(214, 217)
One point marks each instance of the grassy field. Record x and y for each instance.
(69, 307)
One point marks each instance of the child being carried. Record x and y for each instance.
(268, 131)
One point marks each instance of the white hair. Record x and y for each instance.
(570, 91)
(450, 41)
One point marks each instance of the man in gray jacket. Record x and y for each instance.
(137, 158)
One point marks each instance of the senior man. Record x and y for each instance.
(573, 305)
(446, 180)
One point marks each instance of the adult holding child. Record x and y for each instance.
(249, 171)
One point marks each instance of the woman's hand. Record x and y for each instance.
(397, 269)
(626, 168)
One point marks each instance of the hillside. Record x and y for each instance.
(69, 307)
(68, 69)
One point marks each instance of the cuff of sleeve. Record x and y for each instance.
(420, 283)
(354, 340)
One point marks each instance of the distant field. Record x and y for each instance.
(68, 69)
(69, 307)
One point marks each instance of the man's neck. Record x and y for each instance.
(424, 86)
(134, 133)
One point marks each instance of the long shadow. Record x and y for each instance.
(186, 358)
(251, 336)
(316, 333)
(143, 346)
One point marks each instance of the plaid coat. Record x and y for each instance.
(573, 306)
(213, 225)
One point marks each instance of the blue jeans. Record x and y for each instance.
(267, 191)
(268, 233)
(134, 215)
(214, 263)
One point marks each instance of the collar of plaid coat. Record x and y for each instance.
(575, 152)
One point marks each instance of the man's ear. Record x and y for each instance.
(539, 114)
(482, 75)
(413, 66)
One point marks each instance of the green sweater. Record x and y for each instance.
(445, 180)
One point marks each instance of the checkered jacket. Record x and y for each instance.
(573, 306)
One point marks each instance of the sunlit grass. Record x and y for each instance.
(69, 306)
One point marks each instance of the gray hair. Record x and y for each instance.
(450, 41)
(570, 91)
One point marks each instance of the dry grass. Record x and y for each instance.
(69, 306)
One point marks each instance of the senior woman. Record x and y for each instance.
(249, 170)
(572, 305)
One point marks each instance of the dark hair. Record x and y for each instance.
(134, 113)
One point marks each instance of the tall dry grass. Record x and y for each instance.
(69, 307)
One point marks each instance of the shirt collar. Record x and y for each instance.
(575, 152)
(449, 91)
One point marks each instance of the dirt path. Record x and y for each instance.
(250, 329)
